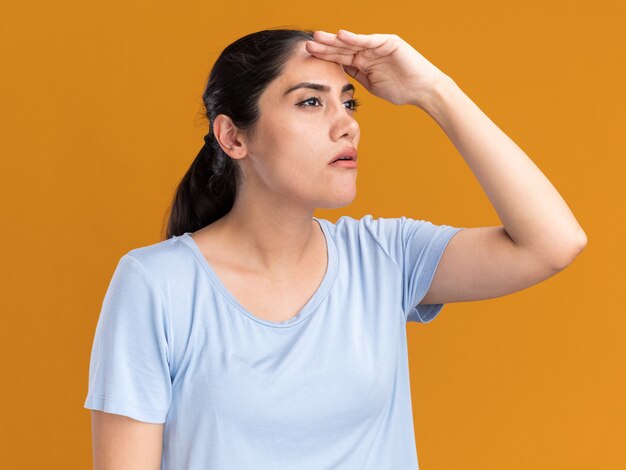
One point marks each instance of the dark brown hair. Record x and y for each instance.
(238, 78)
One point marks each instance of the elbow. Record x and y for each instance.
(571, 250)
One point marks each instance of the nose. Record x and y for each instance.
(344, 124)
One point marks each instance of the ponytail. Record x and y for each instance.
(207, 191)
(238, 78)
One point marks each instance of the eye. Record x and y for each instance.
(308, 100)
(354, 103)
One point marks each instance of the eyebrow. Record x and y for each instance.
(317, 86)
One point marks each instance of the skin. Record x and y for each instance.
(120, 442)
(269, 238)
(539, 237)
(286, 171)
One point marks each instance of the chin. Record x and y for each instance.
(341, 199)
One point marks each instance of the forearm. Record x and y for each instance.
(531, 210)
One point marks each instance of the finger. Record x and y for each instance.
(329, 39)
(369, 46)
(364, 41)
(343, 59)
(326, 49)
(334, 54)
(358, 75)
(331, 52)
(351, 70)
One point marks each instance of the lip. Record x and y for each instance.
(346, 152)
(344, 164)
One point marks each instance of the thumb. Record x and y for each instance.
(357, 74)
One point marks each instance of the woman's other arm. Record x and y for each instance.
(540, 236)
(121, 443)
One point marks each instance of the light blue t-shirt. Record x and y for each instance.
(327, 389)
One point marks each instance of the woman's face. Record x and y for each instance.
(300, 132)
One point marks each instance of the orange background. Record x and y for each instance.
(102, 116)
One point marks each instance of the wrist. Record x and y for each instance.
(430, 100)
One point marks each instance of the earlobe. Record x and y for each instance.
(238, 153)
(235, 151)
(225, 133)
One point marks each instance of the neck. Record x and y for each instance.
(270, 238)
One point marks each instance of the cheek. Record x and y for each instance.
(299, 167)
(297, 151)
(291, 153)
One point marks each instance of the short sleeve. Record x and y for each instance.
(416, 246)
(129, 368)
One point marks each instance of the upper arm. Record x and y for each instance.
(129, 370)
(414, 246)
(120, 442)
(484, 262)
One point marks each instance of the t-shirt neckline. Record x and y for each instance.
(311, 305)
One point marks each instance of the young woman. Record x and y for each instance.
(256, 336)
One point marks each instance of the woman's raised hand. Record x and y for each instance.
(385, 64)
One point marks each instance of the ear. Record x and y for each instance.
(230, 138)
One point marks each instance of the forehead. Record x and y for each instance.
(303, 67)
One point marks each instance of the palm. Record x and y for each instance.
(384, 64)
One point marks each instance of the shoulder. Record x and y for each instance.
(368, 228)
(364, 224)
(163, 260)
(397, 237)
